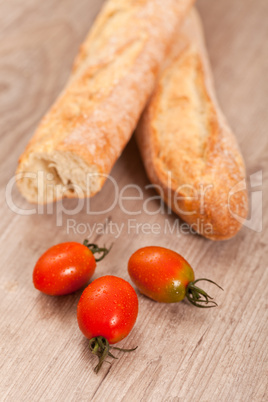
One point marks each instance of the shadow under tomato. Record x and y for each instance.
(64, 307)
(174, 313)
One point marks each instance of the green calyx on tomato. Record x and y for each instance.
(100, 347)
(198, 296)
(94, 248)
(165, 276)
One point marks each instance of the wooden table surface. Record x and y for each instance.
(184, 353)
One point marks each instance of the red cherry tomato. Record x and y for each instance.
(165, 276)
(65, 268)
(106, 313)
(108, 307)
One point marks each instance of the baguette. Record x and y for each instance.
(188, 149)
(81, 137)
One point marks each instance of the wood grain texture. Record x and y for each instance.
(184, 354)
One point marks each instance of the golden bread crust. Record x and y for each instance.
(112, 78)
(186, 145)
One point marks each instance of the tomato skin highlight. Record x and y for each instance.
(108, 307)
(63, 269)
(160, 273)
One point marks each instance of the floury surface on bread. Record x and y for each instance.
(85, 131)
(188, 149)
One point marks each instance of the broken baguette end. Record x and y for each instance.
(48, 177)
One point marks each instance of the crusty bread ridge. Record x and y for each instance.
(85, 131)
(187, 147)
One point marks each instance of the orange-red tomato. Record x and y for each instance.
(64, 268)
(160, 273)
(108, 308)
(165, 276)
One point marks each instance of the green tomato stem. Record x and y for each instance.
(198, 296)
(100, 347)
(94, 248)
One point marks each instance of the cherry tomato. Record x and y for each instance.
(106, 313)
(108, 307)
(65, 268)
(165, 276)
